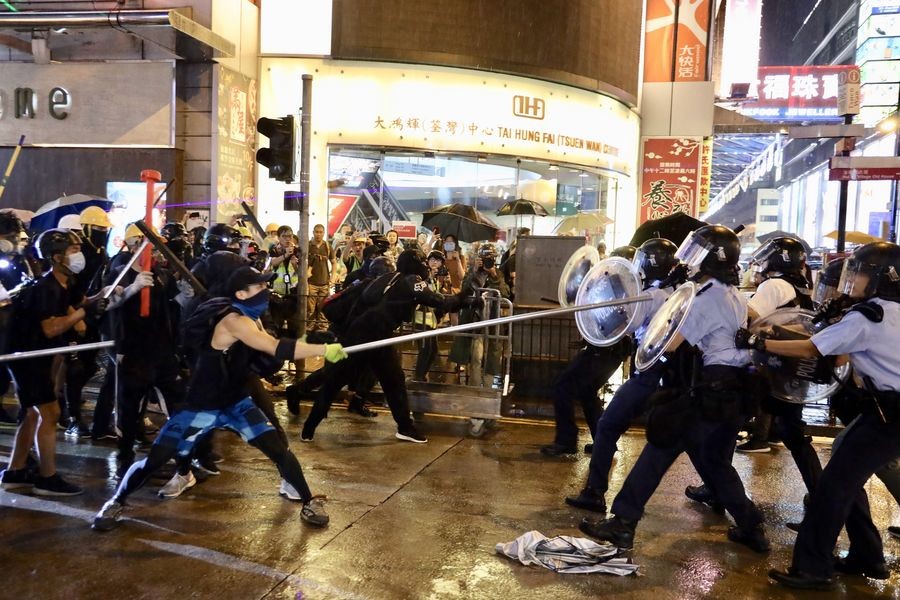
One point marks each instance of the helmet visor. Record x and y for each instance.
(858, 280)
(824, 291)
(692, 251)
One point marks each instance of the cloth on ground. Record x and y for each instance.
(566, 554)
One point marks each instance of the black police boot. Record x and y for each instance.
(800, 580)
(557, 450)
(849, 566)
(754, 538)
(618, 531)
(357, 406)
(588, 499)
(704, 495)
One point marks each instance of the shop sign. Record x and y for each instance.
(670, 176)
(685, 55)
(235, 141)
(705, 175)
(406, 230)
(796, 93)
(339, 207)
(740, 43)
(129, 103)
(864, 168)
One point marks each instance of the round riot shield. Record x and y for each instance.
(665, 325)
(610, 279)
(796, 380)
(578, 265)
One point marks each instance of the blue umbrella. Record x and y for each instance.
(48, 215)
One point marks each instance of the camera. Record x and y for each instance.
(488, 262)
(443, 271)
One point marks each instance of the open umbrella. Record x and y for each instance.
(674, 227)
(855, 237)
(462, 221)
(48, 215)
(762, 239)
(584, 221)
(521, 206)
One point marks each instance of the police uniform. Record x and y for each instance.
(868, 445)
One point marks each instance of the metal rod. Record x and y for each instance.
(174, 261)
(163, 193)
(54, 351)
(11, 165)
(541, 314)
(254, 222)
(306, 90)
(128, 265)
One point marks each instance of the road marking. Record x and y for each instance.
(220, 559)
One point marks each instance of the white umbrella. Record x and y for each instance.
(48, 215)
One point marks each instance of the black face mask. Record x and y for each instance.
(98, 238)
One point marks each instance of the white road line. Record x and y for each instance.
(220, 559)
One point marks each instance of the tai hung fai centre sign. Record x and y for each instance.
(61, 104)
(807, 93)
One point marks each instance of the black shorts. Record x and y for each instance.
(34, 381)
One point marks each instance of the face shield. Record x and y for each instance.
(824, 291)
(858, 280)
(692, 251)
(637, 263)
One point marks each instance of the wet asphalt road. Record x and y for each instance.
(407, 521)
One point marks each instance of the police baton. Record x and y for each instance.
(254, 221)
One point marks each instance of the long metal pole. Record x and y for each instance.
(892, 236)
(134, 258)
(842, 200)
(54, 351)
(541, 314)
(12, 163)
(303, 233)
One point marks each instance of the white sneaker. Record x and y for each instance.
(177, 485)
(288, 491)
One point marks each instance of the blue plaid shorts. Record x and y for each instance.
(183, 429)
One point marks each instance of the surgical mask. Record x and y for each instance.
(449, 246)
(255, 306)
(75, 262)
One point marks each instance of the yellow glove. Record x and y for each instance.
(334, 352)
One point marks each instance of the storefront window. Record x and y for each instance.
(373, 189)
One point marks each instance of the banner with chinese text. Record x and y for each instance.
(705, 175)
(670, 176)
(688, 40)
(234, 162)
(796, 93)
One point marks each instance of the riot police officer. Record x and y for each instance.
(178, 240)
(868, 334)
(715, 408)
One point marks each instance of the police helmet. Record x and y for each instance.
(370, 252)
(55, 241)
(828, 280)
(871, 271)
(626, 252)
(412, 262)
(221, 237)
(655, 259)
(712, 250)
(380, 241)
(171, 231)
(779, 255)
(381, 265)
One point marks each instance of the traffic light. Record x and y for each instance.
(280, 156)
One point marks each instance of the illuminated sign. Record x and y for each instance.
(740, 44)
(670, 177)
(796, 93)
(689, 43)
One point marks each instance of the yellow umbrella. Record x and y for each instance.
(855, 237)
(590, 221)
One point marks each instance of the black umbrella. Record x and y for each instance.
(462, 221)
(521, 206)
(762, 239)
(674, 227)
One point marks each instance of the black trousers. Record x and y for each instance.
(711, 446)
(840, 499)
(580, 381)
(106, 399)
(385, 365)
(139, 375)
(79, 370)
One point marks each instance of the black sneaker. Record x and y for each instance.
(754, 538)
(359, 408)
(13, 479)
(588, 499)
(753, 446)
(78, 431)
(702, 494)
(206, 465)
(557, 450)
(894, 530)
(793, 526)
(104, 436)
(410, 435)
(802, 581)
(215, 457)
(619, 532)
(589, 448)
(849, 566)
(55, 486)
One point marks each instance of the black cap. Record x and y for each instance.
(244, 277)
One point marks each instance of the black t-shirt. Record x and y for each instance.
(45, 300)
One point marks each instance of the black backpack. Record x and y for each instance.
(197, 329)
(15, 323)
(338, 307)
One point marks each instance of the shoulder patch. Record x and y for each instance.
(420, 286)
(870, 310)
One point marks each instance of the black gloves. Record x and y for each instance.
(95, 307)
(745, 340)
(832, 308)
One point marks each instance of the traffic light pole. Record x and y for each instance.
(303, 229)
(842, 200)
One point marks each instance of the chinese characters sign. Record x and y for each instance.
(705, 175)
(670, 177)
(235, 142)
(685, 45)
(796, 93)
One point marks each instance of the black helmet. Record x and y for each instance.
(370, 252)
(380, 241)
(171, 231)
(828, 280)
(219, 237)
(879, 264)
(780, 255)
(412, 262)
(712, 250)
(437, 254)
(655, 259)
(381, 265)
(626, 252)
(55, 241)
(10, 223)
